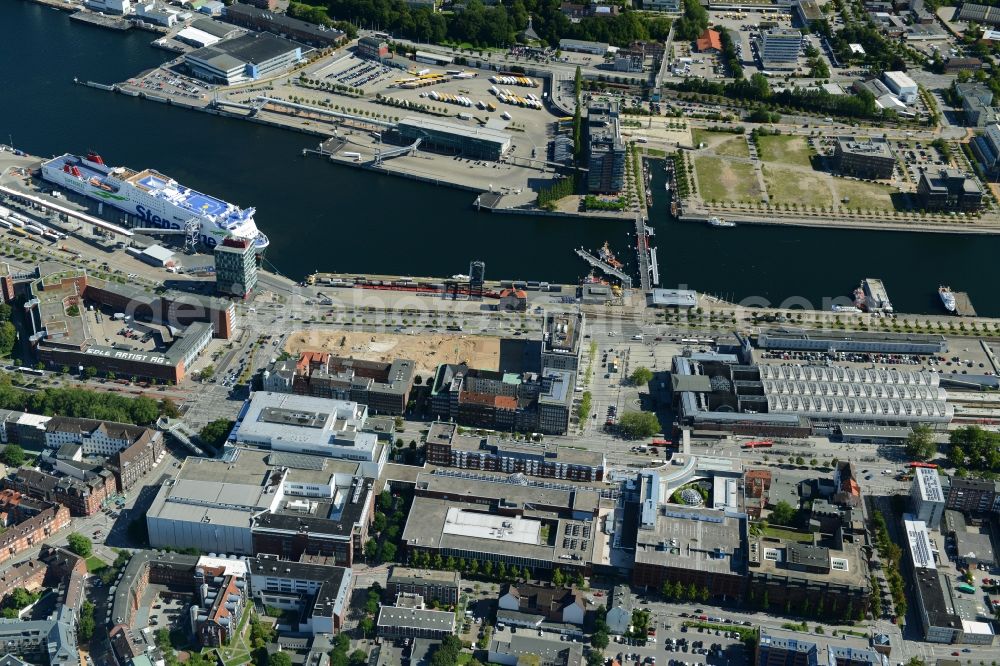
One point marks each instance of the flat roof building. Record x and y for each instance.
(264, 18)
(702, 547)
(486, 517)
(320, 593)
(780, 47)
(927, 496)
(303, 424)
(581, 46)
(246, 58)
(402, 622)
(475, 142)
(432, 585)
(797, 339)
(235, 267)
(64, 335)
(868, 158)
(950, 190)
(673, 298)
(606, 149)
(248, 501)
(902, 85)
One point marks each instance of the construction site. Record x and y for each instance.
(427, 350)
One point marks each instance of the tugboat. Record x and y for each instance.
(607, 256)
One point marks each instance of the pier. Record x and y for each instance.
(649, 273)
(101, 20)
(963, 304)
(605, 267)
(69, 212)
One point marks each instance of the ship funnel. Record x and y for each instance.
(76, 172)
(94, 157)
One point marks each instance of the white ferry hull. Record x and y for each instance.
(152, 211)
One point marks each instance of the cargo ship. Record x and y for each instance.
(947, 298)
(157, 200)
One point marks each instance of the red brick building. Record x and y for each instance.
(28, 522)
(83, 497)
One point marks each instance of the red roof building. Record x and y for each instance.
(709, 42)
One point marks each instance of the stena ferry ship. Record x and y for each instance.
(157, 200)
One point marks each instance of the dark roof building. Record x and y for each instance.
(949, 190)
(320, 592)
(257, 18)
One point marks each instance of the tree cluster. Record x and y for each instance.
(693, 22)
(975, 450)
(881, 55)
(17, 600)
(638, 425)
(891, 555)
(920, 444)
(387, 526)
(8, 334)
(79, 544)
(675, 591)
(494, 26)
(562, 187)
(757, 89)
(79, 402)
(641, 376)
(215, 433)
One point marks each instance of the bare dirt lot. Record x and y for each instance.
(427, 350)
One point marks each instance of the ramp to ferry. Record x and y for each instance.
(83, 217)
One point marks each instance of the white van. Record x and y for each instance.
(637, 338)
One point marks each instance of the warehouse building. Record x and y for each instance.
(868, 158)
(259, 18)
(606, 149)
(901, 85)
(482, 143)
(795, 339)
(580, 46)
(245, 58)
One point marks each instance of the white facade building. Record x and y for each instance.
(902, 85)
(928, 496)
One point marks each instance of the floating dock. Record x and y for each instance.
(963, 304)
(605, 267)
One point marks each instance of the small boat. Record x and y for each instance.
(859, 298)
(845, 308)
(607, 256)
(947, 298)
(719, 222)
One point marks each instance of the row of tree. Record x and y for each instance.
(757, 89)
(82, 403)
(496, 26)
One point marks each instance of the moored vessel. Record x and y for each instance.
(157, 200)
